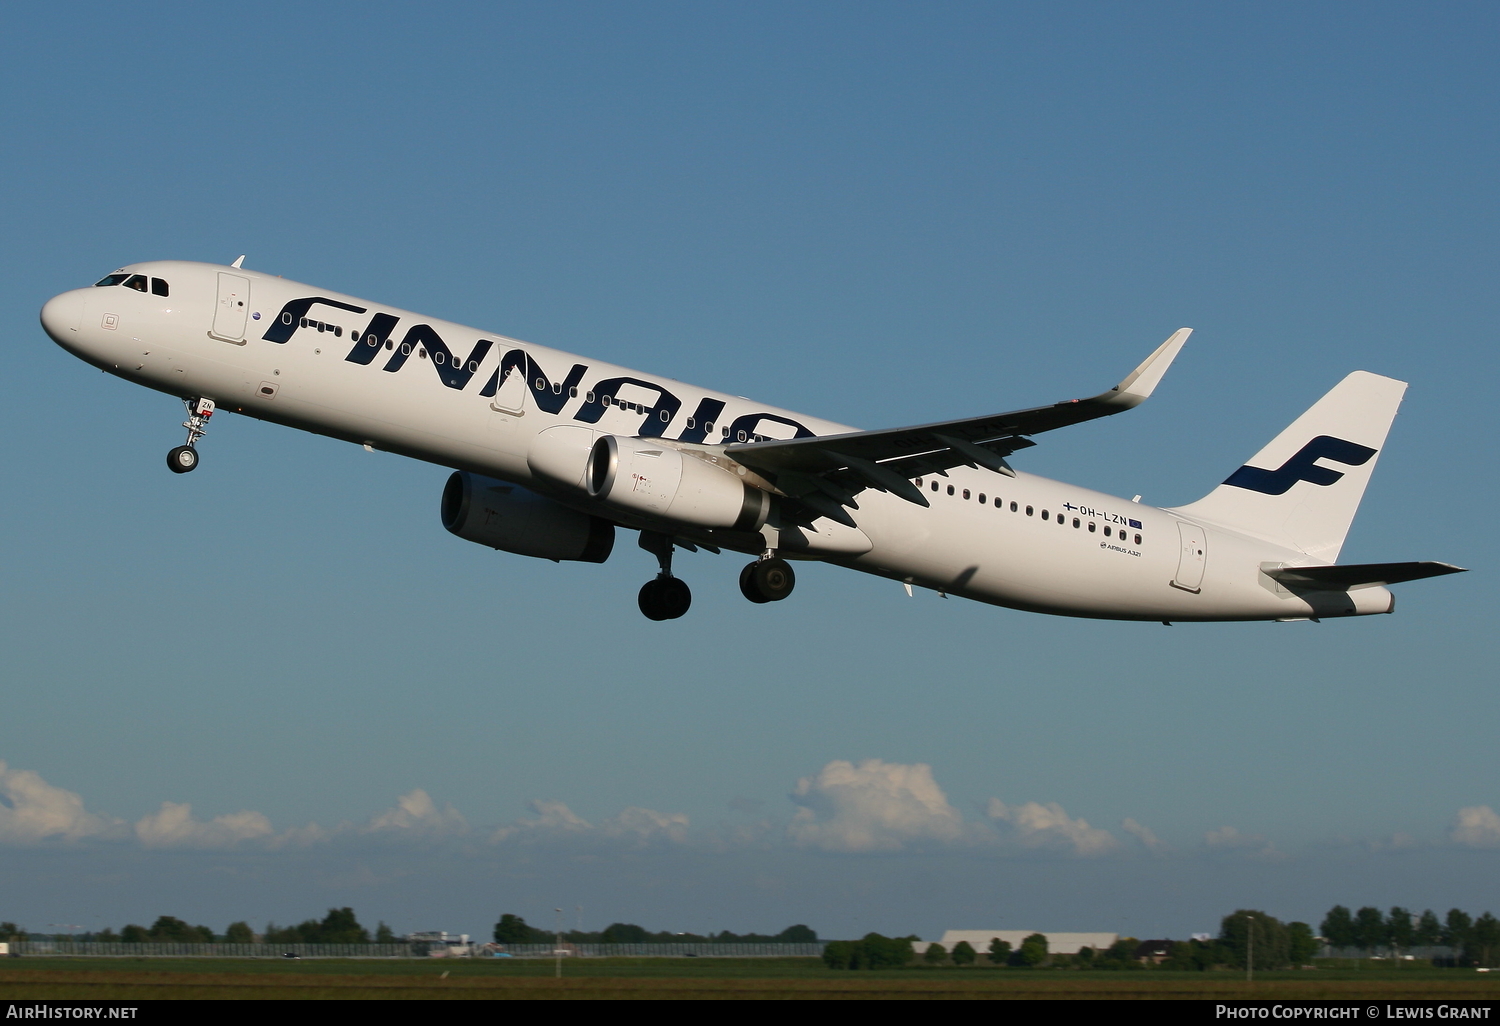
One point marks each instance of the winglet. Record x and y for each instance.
(1142, 381)
(238, 262)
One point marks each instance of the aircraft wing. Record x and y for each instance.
(836, 467)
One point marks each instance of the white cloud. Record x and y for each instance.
(554, 820)
(1145, 836)
(648, 824)
(1477, 827)
(417, 813)
(173, 826)
(1230, 839)
(874, 806)
(32, 809)
(554, 815)
(1049, 826)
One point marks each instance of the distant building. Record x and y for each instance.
(1057, 943)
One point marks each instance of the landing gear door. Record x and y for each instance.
(231, 309)
(1193, 558)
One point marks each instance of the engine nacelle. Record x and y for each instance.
(644, 475)
(506, 516)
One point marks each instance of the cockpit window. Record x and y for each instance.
(137, 282)
(112, 279)
(158, 287)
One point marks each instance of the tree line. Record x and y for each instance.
(513, 929)
(1474, 941)
(339, 926)
(1245, 935)
(1276, 945)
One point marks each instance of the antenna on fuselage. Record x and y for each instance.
(238, 261)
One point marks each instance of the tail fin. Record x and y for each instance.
(1302, 490)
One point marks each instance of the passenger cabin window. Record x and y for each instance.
(1093, 527)
(110, 279)
(1013, 506)
(1137, 539)
(966, 493)
(950, 489)
(1046, 515)
(159, 287)
(137, 282)
(1075, 522)
(981, 498)
(1028, 511)
(338, 331)
(934, 486)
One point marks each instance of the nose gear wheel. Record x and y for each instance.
(182, 459)
(185, 457)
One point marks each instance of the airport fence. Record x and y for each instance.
(95, 949)
(702, 949)
(1420, 953)
(417, 949)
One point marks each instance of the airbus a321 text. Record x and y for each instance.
(553, 452)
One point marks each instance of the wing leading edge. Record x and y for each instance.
(826, 472)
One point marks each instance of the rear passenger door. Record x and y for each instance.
(1193, 558)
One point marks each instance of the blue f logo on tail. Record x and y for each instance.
(1303, 466)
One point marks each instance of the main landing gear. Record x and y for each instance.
(665, 597)
(185, 457)
(768, 579)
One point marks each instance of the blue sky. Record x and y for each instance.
(877, 213)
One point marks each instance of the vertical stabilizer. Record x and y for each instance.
(1303, 489)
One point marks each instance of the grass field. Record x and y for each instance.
(242, 979)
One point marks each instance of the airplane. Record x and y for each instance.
(552, 452)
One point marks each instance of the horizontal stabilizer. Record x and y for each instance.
(1360, 575)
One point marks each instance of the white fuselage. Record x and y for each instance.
(1056, 558)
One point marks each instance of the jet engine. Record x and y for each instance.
(643, 475)
(506, 516)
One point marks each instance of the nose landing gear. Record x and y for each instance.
(665, 597)
(185, 457)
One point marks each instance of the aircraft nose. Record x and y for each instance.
(61, 314)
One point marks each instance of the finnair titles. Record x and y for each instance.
(552, 453)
